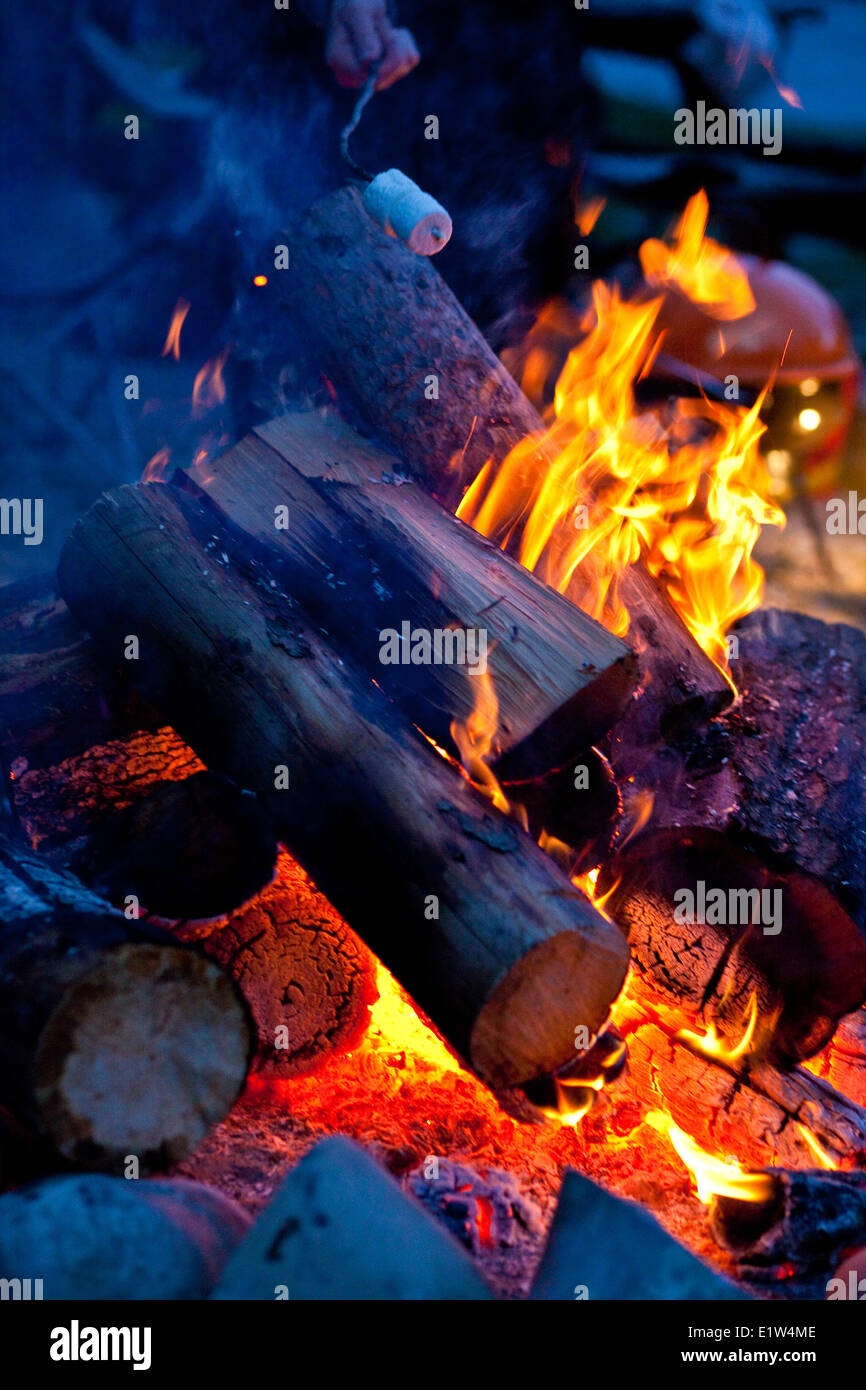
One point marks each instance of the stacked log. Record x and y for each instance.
(366, 551)
(119, 1043)
(474, 919)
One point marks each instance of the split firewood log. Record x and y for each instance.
(90, 1236)
(480, 926)
(118, 1042)
(341, 1228)
(601, 1246)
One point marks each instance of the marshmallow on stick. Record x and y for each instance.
(405, 211)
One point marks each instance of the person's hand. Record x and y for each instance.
(359, 35)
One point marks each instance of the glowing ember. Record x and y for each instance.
(714, 1176)
(172, 342)
(685, 490)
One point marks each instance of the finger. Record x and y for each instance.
(401, 56)
(341, 58)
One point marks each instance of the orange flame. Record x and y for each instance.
(476, 741)
(172, 342)
(821, 1154)
(707, 273)
(713, 1176)
(684, 490)
(710, 1044)
(155, 468)
(209, 388)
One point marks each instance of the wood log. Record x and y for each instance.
(56, 698)
(810, 1218)
(341, 1228)
(601, 1246)
(381, 322)
(117, 1040)
(193, 848)
(307, 979)
(365, 552)
(474, 919)
(89, 1236)
(805, 968)
(843, 1060)
(68, 800)
(763, 1116)
(296, 962)
(784, 772)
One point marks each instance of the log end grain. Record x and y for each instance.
(308, 980)
(567, 980)
(109, 1085)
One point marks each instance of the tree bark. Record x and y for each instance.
(117, 1041)
(474, 919)
(383, 324)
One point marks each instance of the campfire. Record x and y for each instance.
(423, 769)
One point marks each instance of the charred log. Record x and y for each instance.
(765, 1117)
(192, 848)
(809, 1218)
(721, 934)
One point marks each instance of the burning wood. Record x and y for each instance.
(810, 1218)
(505, 954)
(727, 1102)
(388, 330)
(714, 930)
